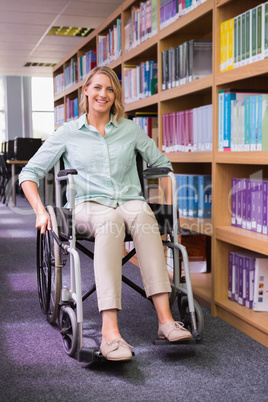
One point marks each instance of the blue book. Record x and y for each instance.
(247, 123)
(182, 193)
(193, 196)
(228, 97)
(253, 123)
(204, 197)
(259, 122)
(221, 120)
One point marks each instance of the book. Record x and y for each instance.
(260, 302)
(204, 196)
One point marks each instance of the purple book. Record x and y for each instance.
(244, 203)
(264, 209)
(233, 201)
(239, 203)
(249, 274)
(254, 208)
(240, 269)
(231, 290)
(236, 275)
(259, 201)
(248, 204)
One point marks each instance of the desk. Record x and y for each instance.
(14, 163)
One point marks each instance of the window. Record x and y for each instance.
(2, 111)
(42, 107)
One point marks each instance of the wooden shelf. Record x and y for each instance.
(242, 158)
(202, 226)
(201, 284)
(252, 323)
(187, 89)
(190, 157)
(243, 238)
(141, 103)
(187, 19)
(256, 69)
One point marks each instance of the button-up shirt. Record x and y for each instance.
(106, 166)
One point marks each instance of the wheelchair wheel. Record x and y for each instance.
(68, 329)
(49, 276)
(185, 317)
(43, 271)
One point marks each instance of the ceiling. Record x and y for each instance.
(24, 25)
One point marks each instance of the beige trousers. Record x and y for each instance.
(108, 226)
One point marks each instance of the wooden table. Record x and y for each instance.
(14, 163)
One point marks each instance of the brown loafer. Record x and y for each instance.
(174, 331)
(117, 349)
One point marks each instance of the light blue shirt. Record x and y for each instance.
(106, 166)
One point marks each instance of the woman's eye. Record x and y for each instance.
(110, 90)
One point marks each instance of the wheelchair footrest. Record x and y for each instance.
(161, 342)
(90, 355)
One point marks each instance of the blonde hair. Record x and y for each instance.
(117, 108)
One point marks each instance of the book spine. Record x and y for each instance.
(265, 209)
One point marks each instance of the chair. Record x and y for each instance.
(5, 180)
(66, 304)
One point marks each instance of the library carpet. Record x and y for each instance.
(226, 366)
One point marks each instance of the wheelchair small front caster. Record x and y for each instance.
(68, 329)
(185, 317)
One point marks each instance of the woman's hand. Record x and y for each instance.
(43, 222)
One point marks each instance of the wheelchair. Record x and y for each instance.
(64, 305)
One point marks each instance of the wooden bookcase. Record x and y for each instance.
(202, 22)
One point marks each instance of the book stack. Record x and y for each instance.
(187, 130)
(248, 280)
(243, 119)
(187, 62)
(86, 63)
(243, 39)
(194, 195)
(140, 81)
(70, 73)
(249, 204)
(171, 10)
(109, 46)
(149, 124)
(58, 84)
(59, 115)
(71, 109)
(141, 25)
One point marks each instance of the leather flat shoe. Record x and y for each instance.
(174, 331)
(116, 350)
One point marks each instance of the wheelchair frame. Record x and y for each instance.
(66, 304)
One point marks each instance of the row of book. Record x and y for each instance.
(59, 115)
(187, 130)
(66, 79)
(249, 198)
(244, 38)
(186, 62)
(141, 25)
(243, 120)
(109, 46)
(171, 10)
(149, 124)
(86, 63)
(248, 280)
(71, 109)
(194, 195)
(140, 81)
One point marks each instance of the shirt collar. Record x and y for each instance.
(82, 121)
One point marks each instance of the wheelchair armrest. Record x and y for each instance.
(65, 172)
(156, 172)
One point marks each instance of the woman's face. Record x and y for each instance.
(100, 94)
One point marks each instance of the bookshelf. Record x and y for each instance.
(202, 22)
